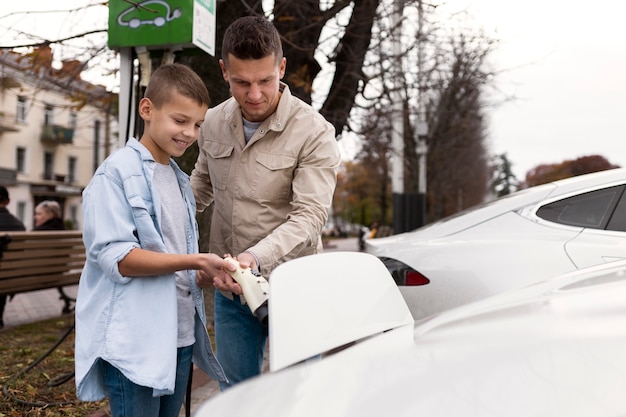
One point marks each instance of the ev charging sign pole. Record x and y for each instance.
(163, 26)
(397, 138)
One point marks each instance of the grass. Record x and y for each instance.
(48, 388)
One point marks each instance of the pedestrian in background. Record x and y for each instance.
(48, 216)
(8, 222)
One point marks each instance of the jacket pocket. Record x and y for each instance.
(146, 223)
(219, 162)
(274, 175)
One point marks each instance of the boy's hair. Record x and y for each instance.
(176, 77)
(251, 37)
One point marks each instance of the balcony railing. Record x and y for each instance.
(7, 122)
(54, 134)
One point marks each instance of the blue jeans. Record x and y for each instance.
(128, 399)
(239, 340)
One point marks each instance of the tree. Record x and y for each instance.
(503, 181)
(457, 162)
(458, 168)
(544, 173)
(354, 199)
(440, 78)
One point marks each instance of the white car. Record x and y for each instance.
(342, 343)
(530, 235)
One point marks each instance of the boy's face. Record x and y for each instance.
(255, 84)
(173, 128)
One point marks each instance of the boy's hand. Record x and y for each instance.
(217, 272)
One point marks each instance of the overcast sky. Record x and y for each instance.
(565, 62)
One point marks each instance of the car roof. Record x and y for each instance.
(514, 201)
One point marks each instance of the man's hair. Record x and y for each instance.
(179, 78)
(251, 37)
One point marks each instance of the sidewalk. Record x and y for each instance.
(35, 306)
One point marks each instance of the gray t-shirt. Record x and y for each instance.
(249, 128)
(174, 225)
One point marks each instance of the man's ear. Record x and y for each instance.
(282, 67)
(224, 71)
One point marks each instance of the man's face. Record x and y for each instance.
(255, 84)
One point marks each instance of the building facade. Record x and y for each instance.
(55, 129)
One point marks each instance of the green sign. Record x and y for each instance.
(162, 24)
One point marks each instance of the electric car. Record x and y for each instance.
(343, 343)
(530, 235)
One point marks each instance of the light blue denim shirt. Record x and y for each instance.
(132, 322)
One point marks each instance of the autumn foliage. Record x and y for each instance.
(545, 173)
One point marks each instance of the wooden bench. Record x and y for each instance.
(31, 261)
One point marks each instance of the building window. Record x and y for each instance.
(21, 109)
(20, 213)
(71, 169)
(48, 115)
(74, 216)
(20, 159)
(73, 119)
(48, 165)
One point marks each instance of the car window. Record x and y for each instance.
(593, 209)
(618, 219)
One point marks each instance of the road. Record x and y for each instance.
(340, 245)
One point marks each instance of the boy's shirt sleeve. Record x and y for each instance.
(109, 230)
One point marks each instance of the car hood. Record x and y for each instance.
(554, 348)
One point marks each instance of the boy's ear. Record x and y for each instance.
(145, 108)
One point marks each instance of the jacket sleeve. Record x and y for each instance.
(313, 186)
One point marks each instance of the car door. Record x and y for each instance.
(602, 214)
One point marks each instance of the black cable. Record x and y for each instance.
(64, 378)
(188, 394)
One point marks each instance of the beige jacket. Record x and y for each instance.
(272, 196)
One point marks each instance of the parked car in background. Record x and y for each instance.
(342, 343)
(530, 235)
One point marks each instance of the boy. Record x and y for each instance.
(139, 314)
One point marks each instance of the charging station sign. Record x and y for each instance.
(162, 24)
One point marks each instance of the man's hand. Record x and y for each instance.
(255, 290)
(247, 260)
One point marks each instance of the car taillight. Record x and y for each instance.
(403, 274)
(414, 278)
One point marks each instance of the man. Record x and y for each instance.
(268, 161)
(8, 222)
